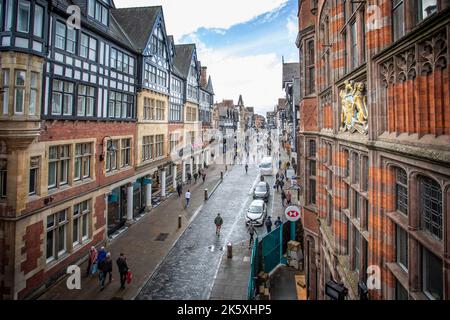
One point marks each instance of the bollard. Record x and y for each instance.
(206, 194)
(221, 175)
(229, 251)
(179, 222)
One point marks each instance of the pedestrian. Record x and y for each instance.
(282, 177)
(179, 189)
(189, 176)
(123, 269)
(101, 255)
(218, 221)
(106, 269)
(278, 222)
(246, 168)
(283, 197)
(92, 259)
(188, 198)
(288, 198)
(195, 177)
(281, 184)
(277, 176)
(204, 176)
(269, 224)
(251, 231)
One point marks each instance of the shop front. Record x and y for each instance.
(117, 209)
(139, 201)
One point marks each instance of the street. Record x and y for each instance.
(189, 269)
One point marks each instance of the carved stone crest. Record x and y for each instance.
(354, 113)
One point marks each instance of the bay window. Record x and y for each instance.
(5, 81)
(19, 91)
(33, 93)
(98, 11)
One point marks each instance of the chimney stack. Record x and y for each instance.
(203, 77)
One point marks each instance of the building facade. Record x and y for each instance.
(84, 130)
(373, 145)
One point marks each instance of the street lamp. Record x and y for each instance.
(336, 291)
(110, 148)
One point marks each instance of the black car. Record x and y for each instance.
(262, 191)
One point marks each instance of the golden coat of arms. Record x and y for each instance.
(354, 107)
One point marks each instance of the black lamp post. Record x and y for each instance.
(110, 148)
(336, 291)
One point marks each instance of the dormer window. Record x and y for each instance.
(98, 10)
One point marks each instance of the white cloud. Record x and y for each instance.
(256, 77)
(185, 17)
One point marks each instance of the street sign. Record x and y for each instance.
(292, 213)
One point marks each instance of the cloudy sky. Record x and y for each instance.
(242, 43)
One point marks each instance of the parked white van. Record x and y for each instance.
(266, 166)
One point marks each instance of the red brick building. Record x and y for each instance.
(374, 146)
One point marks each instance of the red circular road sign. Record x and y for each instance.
(292, 213)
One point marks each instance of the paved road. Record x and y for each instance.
(189, 269)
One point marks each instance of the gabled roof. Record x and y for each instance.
(137, 23)
(290, 71)
(183, 57)
(115, 31)
(209, 86)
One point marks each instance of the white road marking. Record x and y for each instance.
(254, 183)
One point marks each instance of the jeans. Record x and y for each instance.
(187, 202)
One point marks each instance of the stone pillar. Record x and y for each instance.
(191, 169)
(183, 171)
(207, 156)
(174, 174)
(197, 161)
(163, 183)
(130, 203)
(148, 196)
(202, 159)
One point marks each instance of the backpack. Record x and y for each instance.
(218, 221)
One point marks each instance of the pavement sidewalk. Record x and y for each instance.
(140, 245)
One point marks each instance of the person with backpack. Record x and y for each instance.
(123, 269)
(218, 221)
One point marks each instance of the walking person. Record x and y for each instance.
(189, 176)
(204, 176)
(195, 177)
(283, 197)
(269, 224)
(251, 231)
(246, 168)
(288, 198)
(218, 221)
(179, 189)
(106, 269)
(278, 222)
(123, 269)
(101, 255)
(92, 259)
(188, 197)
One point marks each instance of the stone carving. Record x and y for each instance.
(354, 108)
(433, 53)
(406, 64)
(388, 73)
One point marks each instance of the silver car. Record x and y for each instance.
(256, 213)
(262, 191)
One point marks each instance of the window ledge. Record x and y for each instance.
(398, 218)
(399, 273)
(426, 240)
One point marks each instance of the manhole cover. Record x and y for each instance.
(162, 237)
